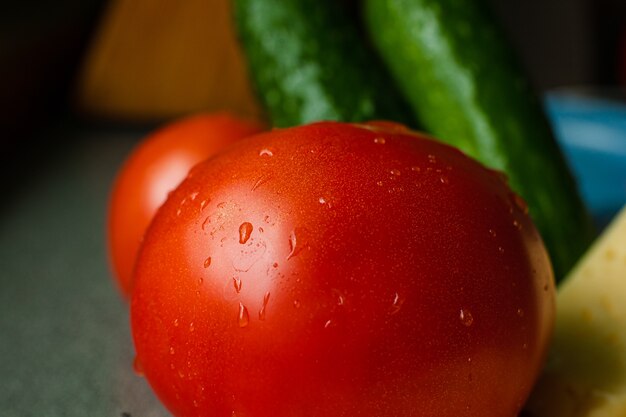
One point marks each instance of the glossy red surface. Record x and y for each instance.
(342, 270)
(154, 168)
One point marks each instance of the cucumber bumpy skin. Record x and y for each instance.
(466, 88)
(309, 62)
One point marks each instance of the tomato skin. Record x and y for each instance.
(342, 270)
(154, 168)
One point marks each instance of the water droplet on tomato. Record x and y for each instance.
(176, 323)
(204, 202)
(192, 328)
(297, 241)
(379, 183)
(245, 230)
(443, 179)
(517, 225)
(137, 366)
(500, 249)
(340, 300)
(520, 312)
(266, 299)
(207, 262)
(243, 318)
(492, 233)
(432, 159)
(396, 304)
(261, 180)
(248, 256)
(172, 351)
(266, 152)
(322, 200)
(520, 203)
(221, 205)
(380, 141)
(395, 172)
(193, 195)
(275, 264)
(466, 317)
(328, 324)
(296, 303)
(415, 169)
(237, 284)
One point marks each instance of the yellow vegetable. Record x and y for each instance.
(585, 375)
(158, 59)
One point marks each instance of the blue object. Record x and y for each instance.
(591, 131)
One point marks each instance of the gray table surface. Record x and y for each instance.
(65, 344)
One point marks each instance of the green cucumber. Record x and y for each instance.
(466, 88)
(308, 62)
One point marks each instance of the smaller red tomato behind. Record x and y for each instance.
(155, 167)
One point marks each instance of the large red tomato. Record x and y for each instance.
(342, 270)
(155, 167)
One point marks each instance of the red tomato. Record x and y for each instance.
(155, 168)
(342, 270)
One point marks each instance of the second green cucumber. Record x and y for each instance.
(466, 88)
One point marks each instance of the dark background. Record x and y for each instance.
(560, 42)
